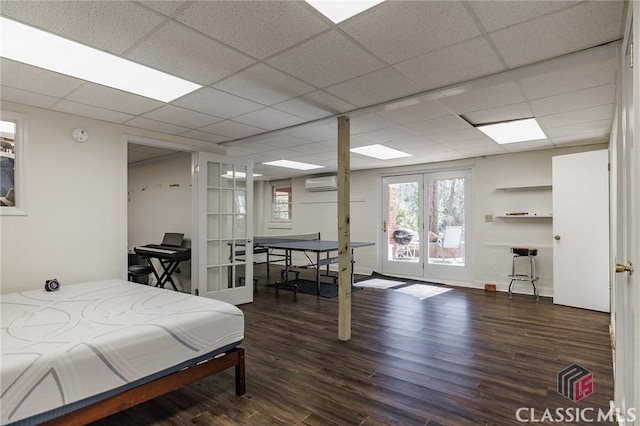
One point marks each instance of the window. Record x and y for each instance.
(281, 201)
(12, 163)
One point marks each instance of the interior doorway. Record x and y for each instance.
(426, 231)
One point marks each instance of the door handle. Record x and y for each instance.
(624, 268)
(384, 226)
(556, 237)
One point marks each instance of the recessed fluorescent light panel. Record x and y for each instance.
(44, 50)
(339, 11)
(513, 131)
(293, 165)
(380, 152)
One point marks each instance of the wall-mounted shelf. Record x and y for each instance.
(524, 187)
(524, 216)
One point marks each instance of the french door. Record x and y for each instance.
(225, 223)
(426, 229)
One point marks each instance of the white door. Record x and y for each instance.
(425, 233)
(626, 226)
(402, 225)
(225, 223)
(581, 230)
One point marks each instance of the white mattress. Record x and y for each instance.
(62, 347)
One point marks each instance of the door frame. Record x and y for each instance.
(140, 140)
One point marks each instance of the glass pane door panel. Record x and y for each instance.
(404, 222)
(227, 203)
(213, 226)
(241, 226)
(213, 174)
(213, 200)
(241, 177)
(226, 228)
(228, 176)
(214, 253)
(213, 278)
(446, 223)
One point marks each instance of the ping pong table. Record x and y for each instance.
(309, 243)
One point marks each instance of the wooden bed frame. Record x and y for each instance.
(147, 391)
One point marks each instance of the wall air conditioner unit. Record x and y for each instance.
(324, 183)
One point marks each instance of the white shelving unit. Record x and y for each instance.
(530, 212)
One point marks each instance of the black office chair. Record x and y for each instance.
(138, 271)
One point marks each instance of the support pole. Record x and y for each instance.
(344, 232)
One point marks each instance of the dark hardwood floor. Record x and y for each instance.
(464, 357)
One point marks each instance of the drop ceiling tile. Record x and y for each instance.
(425, 26)
(503, 113)
(367, 123)
(325, 60)
(181, 117)
(482, 142)
(315, 105)
(418, 143)
(600, 136)
(265, 85)
(258, 28)
(252, 147)
(232, 130)
(205, 136)
(484, 98)
(183, 52)
(569, 30)
(314, 132)
(457, 135)
(313, 148)
(528, 145)
(215, 102)
(83, 110)
(38, 80)
(580, 99)
(465, 61)
(423, 110)
(11, 94)
(388, 134)
(437, 125)
(269, 118)
(578, 130)
(482, 150)
(499, 14)
(157, 126)
(117, 100)
(379, 86)
(586, 115)
(283, 141)
(113, 26)
(166, 7)
(598, 73)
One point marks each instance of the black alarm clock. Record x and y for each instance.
(52, 285)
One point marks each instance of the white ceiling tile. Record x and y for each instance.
(182, 117)
(570, 30)
(424, 110)
(264, 84)
(215, 102)
(113, 26)
(581, 139)
(503, 113)
(166, 7)
(282, 141)
(92, 112)
(252, 147)
(472, 143)
(499, 14)
(117, 100)
(580, 99)
(158, 126)
(484, 98)
(368, 123)
(232, 130)
(269, 118)
(388, 134)
(586, 115)
(11, 94)
(592, 74)
(528, 146)
(482, 150)
(465, 61)
(204, 136)
(183, 52)
(426, 26)
(314, 132)
(314, 148)
(578, 130)
(379, 86)
(457, 135)
(326, 60)
(34, 79)
(258, 28)
(315, 105)
(429, 127)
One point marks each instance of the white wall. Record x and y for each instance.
(75, 228)
(313, 212)
(160, 200)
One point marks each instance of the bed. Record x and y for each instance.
(92, 349)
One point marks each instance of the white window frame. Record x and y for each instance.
(20, 177)
(274, 188)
